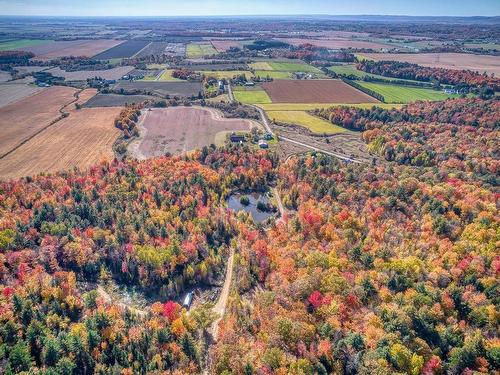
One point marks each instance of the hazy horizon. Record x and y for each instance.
(151, 8)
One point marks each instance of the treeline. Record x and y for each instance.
(127, 120)
(15, 57)
(467, 112)
(462, 79)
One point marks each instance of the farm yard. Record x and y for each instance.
(182, 89)
(123, 50)
(82, 75)
(115, 100)
(82, 139)
(481, 63)
(22, 119)
(198, 50)
(180, 129)
(302, 118)
(405, 94)
(315, 91)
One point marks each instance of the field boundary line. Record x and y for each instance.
(142, 49)
(53, 122)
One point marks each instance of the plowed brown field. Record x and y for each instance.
(315, 91)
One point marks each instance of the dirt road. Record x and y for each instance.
(220, 307)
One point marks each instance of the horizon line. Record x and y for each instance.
(249, 15)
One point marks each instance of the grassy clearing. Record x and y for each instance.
(226, 74)
(313, 123)
(195, 50)
(311, 106)
(260, 66)
(166, 75)
(21, 43)
(293, 67)
(273, 74)
(156, 66)
(252, 97)
(405, 94)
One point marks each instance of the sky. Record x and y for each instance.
(249, 7)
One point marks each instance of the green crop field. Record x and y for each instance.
(273, 74)
(226, 74)
(313, 123)
(21, 43)
(293, 67)
(195, 51)
(405, 94)
(252, 97)
(311, 106)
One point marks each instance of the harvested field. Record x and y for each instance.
(4, 77)
(31, 69)
(314, 91)
(179, 129)
(154, 48)
(480, 63)
(224, 45)
(22, 119)
(336, 43)
(80, 140)
(184, 89)
(11, 92)
(58, 49)
(83, 75)
(115, 100)
(123, 50)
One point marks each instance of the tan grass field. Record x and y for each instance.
(24, 118)
(80, 140)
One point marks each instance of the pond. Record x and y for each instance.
(236, 203)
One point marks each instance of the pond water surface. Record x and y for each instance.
(233, 202)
